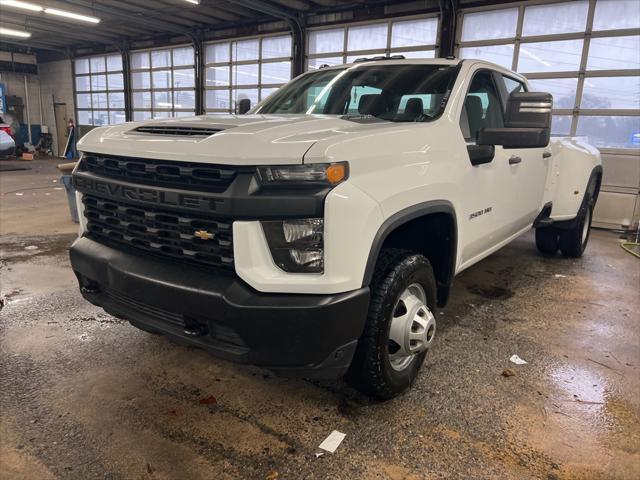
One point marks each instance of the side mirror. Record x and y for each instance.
(480, 154)
(244, 106)
(527, 122)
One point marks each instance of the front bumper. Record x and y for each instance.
(292, 334)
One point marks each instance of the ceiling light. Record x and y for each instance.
(14, 33)
(74, 16)
(22, 5)
(195, 2)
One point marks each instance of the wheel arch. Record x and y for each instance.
(399, 230)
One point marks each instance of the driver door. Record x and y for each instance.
(491, 188)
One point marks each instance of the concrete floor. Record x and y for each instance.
(83, 395)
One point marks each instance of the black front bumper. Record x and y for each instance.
(291, 334)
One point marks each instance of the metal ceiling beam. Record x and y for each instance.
(50, 27)
(30, 44)
(156, 25)
(293, 4)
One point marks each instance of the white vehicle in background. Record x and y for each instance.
(7, 143)
(317, 235)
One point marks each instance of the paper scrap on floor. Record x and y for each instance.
(333, 441)
(517, 360)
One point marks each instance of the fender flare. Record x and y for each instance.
(404, 216)
(591, 190)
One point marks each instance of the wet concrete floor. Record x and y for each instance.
(84, 395)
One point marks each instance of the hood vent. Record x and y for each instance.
(177, 131)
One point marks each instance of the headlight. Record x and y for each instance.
(315, 174)
(297, 246)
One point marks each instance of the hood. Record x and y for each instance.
(223, 139)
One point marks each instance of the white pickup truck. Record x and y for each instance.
(317, 234)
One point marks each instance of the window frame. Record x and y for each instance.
(172, 89)
(344, 53)
(582, 73)
(499, 95)
(230, 63)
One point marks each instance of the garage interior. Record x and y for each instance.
(84, 395)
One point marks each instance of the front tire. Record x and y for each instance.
(400, 326)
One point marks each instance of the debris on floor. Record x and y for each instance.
(507, 372)
(31, 247)
(517, 360)
(332, 442)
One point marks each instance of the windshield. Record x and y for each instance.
(397, 93)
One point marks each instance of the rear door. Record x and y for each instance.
(532, 168)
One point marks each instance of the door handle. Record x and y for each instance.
(513, 160)
(546, 154)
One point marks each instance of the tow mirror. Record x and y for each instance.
(244, 106)
(527, 122)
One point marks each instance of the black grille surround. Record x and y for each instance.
(158, 231)
(184, 175)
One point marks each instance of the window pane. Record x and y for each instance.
(162, 100)
(183, 56)
(500, 54)
(160, 58)
(116, 117)
(265, 92)
(185, 99)
(562, 56)
(613, 53)
(238, 95)
(315, 63)
(417, 54)
(217, 53)
(561, 125)
(218, 99)
(217, 76)
(116, 100)
(244, 74)
(137, 116)
(184, 78)
(279, 72)
(490, 24)
(98, 82)
(85, 117)
(114, 63)
(513, 86)
(141, 99)
(559, 18)
(274, 47)
(414, 32)
(99, 100)
(244, 50)
(82, 84)
(100, 118)
(161, 79)
(611, 92)
(353, 58)
(140, 80)
(115, 81)
(562, 89)
(161, 114)
(609, 14)
(184, 114)
(367, 37)
(324, 41)
(82, 65)
(97, 64)
(140, 60)
(83, 100)
(609, 132)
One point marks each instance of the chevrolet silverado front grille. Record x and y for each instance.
(179, 235)
(161, 173)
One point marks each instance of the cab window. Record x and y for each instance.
(482, 106)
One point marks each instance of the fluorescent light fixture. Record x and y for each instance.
(14, 33)
(195, 2)
(22, 5)
(73, 16)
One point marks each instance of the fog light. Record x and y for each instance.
(296, 246)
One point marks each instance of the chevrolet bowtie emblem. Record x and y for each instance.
(203, 235)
